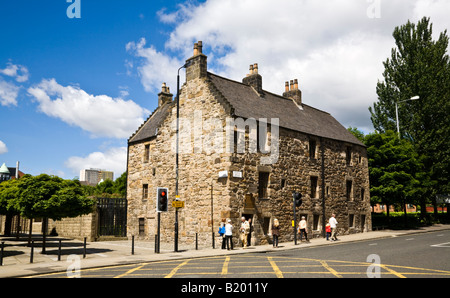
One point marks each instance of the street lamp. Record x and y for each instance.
(178, 140)
(396, 111)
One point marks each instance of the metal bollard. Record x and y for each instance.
(84, 248)
(59, 250)
(196, 241)
(32, 251)
(1, 253)
(132, 245)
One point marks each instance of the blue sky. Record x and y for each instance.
(73, 90)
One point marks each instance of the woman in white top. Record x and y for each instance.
(229, 234)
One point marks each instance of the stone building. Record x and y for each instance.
(243, 151)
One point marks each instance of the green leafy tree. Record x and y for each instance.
(419, 66)
(9, 192)
(394, 167)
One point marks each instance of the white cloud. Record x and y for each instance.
(335, 48)
(19, 72)
(3, 148)
(114, 159)
(8, 93)
(156, 68)
(100, 115)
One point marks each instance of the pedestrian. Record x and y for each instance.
(328, 230)
(333, 224)
(244, 230)
(222, 233)
(275, 232)
(229, 234)
(249, 236)
(302, 229)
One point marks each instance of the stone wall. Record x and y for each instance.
(199, 183)
(76, 228)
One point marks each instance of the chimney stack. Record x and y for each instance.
(197, 65)
(164, 96)
(254, 79)
(292, 91)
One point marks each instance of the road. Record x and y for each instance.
(411, 256)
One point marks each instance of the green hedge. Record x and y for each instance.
(396, 220)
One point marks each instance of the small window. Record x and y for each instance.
(348, 155)
(314, 186)
(348, 190)
(362, 194)
(283, 183)
(351, 220)
(145, 191)
(312, 149)
(141, 226)
(147, 153)
(263, 183)
(316, 218)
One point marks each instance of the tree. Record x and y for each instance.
(9, 191)
(419, 66)
(393, 168)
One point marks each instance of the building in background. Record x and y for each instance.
(95, 176)
(8, 173)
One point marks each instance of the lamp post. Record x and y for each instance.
(177, 150)
(396, 111)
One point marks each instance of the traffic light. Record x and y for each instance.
(297, 199)
(162, 198)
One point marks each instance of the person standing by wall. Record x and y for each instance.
(333, 224)
(229, 234)
(244, 230)
(303, 229)
(275, 232)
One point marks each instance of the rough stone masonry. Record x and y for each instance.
(242, 152)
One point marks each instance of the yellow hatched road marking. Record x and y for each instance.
(174, 271)
(392, 271)
(225, 266)
(334, 272)
(129, 271)
(277, 270)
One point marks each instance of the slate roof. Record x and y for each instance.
(149, 128)
(247, 103)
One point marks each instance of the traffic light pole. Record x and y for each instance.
(295, 220)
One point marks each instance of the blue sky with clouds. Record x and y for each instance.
(73, 90)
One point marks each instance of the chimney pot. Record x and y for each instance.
(195, 49)
(286, 87)
(292, 84)
(200, 47)
(255, 68)
(295, 84)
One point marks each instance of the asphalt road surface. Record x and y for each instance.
(423, 255)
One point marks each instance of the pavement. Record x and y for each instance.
(17, 253)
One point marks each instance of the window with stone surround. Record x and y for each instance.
(349, 190)
(348, 155)
(312, 148)
(263, 183)
(147, 153)
(314, 192)
(145, 191)
(141, 226)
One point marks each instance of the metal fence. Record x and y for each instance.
(112, 215)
